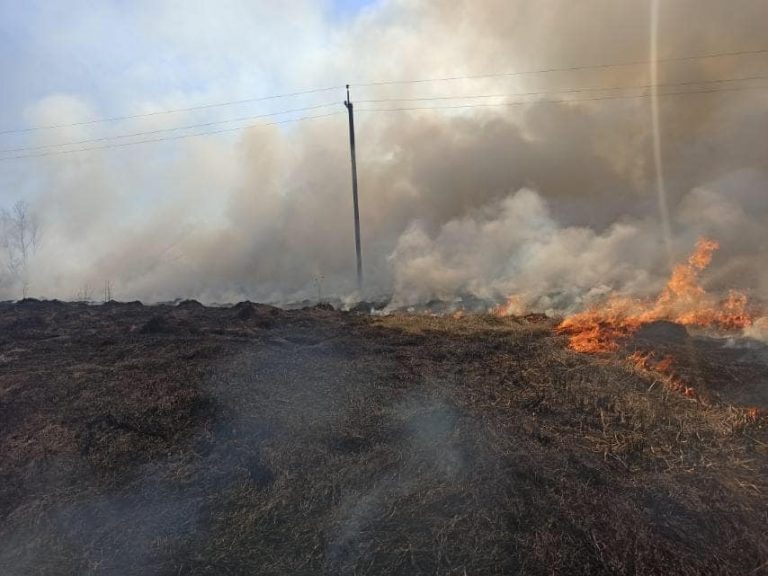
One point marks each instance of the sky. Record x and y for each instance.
(117, 52)
(349, 8)
(264, 211)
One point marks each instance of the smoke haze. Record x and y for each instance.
(553, 201)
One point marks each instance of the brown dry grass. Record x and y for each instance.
(254, 441)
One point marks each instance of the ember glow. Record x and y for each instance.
(683, 300)
(514, 306)
(647, 362)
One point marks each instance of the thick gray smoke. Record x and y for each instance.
(555, 201)
(516, 247)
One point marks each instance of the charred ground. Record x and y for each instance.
(253, 440)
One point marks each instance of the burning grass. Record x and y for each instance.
(613, 326)
(318, 442)
(683, 300)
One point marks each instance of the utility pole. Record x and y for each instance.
(348, 104)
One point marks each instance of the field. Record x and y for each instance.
(172, 440)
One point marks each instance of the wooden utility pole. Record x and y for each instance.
(348, 104)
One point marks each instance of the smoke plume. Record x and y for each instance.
(555, 201)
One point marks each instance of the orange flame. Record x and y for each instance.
(683, 300)
(514, 306)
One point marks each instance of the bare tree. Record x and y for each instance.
(19, 236)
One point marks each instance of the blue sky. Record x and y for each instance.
(347, 7)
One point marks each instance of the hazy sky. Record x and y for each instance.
(123, 54)
(265, 212)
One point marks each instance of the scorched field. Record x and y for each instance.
(254, 440)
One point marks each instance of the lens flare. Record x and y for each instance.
(661, 188)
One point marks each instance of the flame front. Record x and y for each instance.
(683, 300)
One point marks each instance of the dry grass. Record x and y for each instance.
(222, 441)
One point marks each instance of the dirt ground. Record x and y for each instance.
(172, 440)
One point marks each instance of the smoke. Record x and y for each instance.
(556, 201)
(431, 454)
(516, 247)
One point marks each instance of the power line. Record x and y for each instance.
(383, 83)
(561, 101)
(179, 137)
(375, 101)
(564, 91)
(564, 69)
(401, 109)
(173, 111)
(161, 130)
(387, 100)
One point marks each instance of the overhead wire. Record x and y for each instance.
(564, 69)
(563, 91)
(377, 101)
(400, 109)
(564, 101)
(178, 137)
(384, 83)
(173, 111)
(161, 130)
(369, 110)
(384, 101)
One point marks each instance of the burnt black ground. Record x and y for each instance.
(251, 440)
